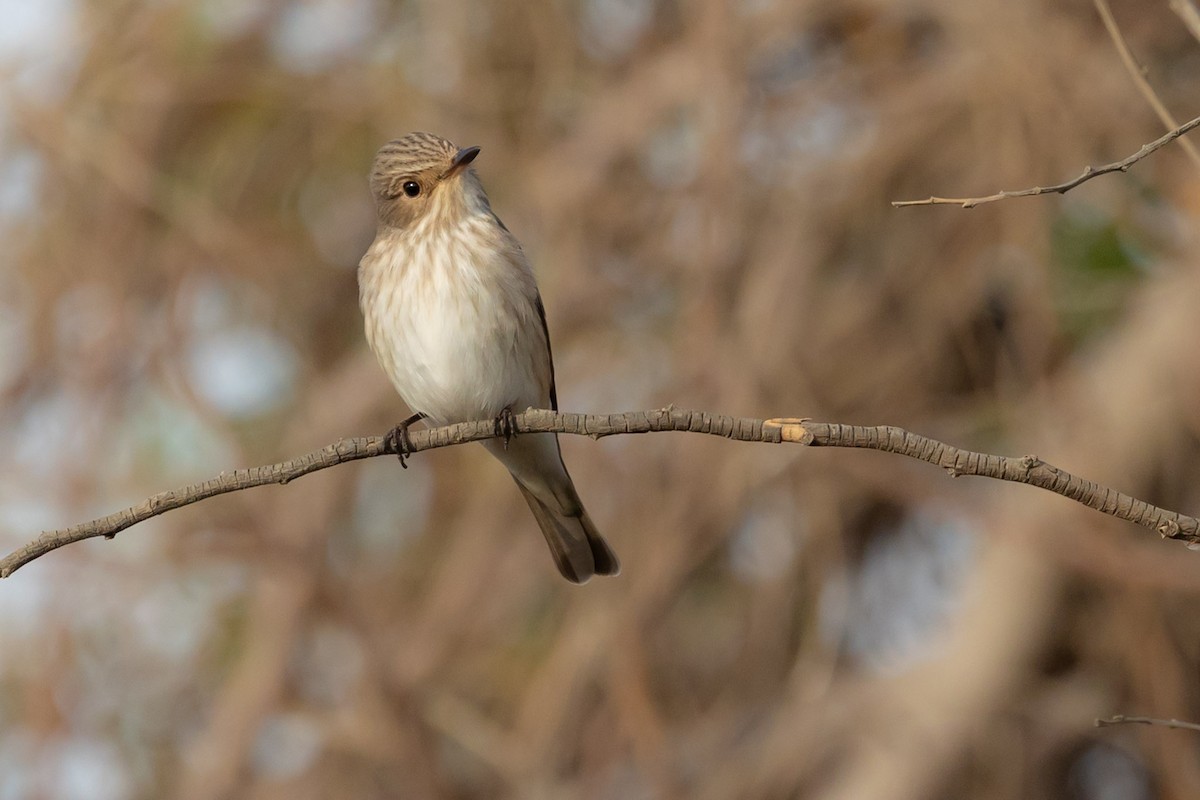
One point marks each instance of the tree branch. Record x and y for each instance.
(1121, 719)
(1023, 469)
(1061, 188)
(1138, 73)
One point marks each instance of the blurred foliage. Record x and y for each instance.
(1101, 265)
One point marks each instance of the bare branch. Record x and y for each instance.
(1024, 469)
(1138, 73)
(1121, 719)
(1061, 188)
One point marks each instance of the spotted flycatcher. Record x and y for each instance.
(454, 316)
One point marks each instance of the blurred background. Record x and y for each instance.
(703, 189)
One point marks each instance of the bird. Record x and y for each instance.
(453, 314)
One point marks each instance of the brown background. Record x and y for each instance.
(703, 189)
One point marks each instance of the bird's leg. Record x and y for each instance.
(506, 426)
(396, 440)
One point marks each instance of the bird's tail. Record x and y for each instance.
(578, 548)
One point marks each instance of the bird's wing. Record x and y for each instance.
(537, 301)
(541, 310)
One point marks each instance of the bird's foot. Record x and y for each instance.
(396, 440)
(506, 426)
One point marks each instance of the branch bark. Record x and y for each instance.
(1059, 188)
(1121, 719)
(1023, 469)
(1138, 73)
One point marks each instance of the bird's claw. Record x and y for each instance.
(396, 441)
(506, 426)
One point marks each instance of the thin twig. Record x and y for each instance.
(1023, 469)
(1061, 188)
(1138, 73)
(1121, 719)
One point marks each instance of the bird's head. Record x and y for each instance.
(421, 176)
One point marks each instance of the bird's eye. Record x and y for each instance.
(411, 188)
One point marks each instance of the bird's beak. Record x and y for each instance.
(460, 161)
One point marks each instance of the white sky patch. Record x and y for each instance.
(36, 37)
(908, 588)
(32, 28)
(85, 767)
(20, 175)
(243, 372)
(611, 28)
(287, 746)
(766, 545)
(313, 34)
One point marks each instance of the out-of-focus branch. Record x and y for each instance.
(1061, 188)
(1121, 719)
(1023, 469)
(1138, 73)
(1188, 13)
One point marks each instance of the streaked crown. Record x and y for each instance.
(408, 172)
(409, 156)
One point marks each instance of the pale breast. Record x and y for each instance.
(453, 322)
